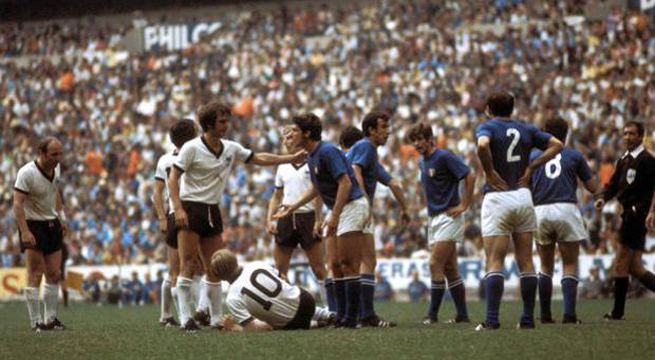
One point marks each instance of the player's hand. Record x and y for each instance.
(181, 219)
(300, 156)
(163, 224)
(229, 323)
(282, 211)
(496, 182)
(524, 181)
(330, 225)
(317, 229)
(650, 220)
(599, 204)
(455, 211)
(271, 227)
(28, 239)
(64, 228)
(404, 219)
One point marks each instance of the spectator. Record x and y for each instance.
(417, 289)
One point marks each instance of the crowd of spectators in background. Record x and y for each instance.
(432, 61)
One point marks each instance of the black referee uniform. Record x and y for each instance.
(633, 183)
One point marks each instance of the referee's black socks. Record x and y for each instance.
(620, 291)
(648, 279)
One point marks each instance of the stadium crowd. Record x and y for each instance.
(420, 60)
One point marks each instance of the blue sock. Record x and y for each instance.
(494, 285)
(437, 290)
(367, 283)
(340, 292)
(330, 294)
(545, 294)
(529, 283)
(458, 293)
(353, 290)
(570, 291)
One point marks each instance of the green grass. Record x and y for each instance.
(133, 332)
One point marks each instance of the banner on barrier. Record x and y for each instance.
(399, 272)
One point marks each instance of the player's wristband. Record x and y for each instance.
(62, 215)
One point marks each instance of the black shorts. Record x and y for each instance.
(633, 229)
(204, 219)
(48, 235)
(304, 314)
(296, 229)
(171, 231)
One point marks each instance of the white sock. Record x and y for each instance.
(321, 292)
(166, 297)
(50, 298)
(33, 305)
(214, 293)
(203, 299)
(184, 298)
(321, 313)
(195, 290)
(174, 295)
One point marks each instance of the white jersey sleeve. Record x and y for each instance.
(160, 171)
(186, 156)
(241, 153)
(279, 183)
(238, 310)
(24, 181)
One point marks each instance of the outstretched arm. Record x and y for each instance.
(266, 159)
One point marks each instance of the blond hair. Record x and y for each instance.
(224, 264)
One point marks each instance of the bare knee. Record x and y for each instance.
(53, 276)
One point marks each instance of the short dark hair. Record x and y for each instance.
(42, 146)
(420, 130)
(501, 104)
(640, 127)
(558, 127)
(207, 114)
(309, 122)
(182, 131)
(371, 120)
(349, 136)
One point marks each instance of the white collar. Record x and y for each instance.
(635, 152)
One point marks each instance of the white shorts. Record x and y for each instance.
(445, 228)
(507, 212)
(561, 222)
(369, 229)
(353, 216)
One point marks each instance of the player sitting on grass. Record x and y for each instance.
(258, 299)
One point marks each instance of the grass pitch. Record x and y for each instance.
(133, 333)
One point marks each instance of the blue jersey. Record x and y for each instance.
(326, 165)
(440, 175)
(557, 180)
(364, 155)
(511, 144)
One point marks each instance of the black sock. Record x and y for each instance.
(545, 294)
(648, 279)
(620, 291)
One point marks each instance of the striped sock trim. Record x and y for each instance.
(495, 273)
(212, 283)
(528, 275)
(545, 275)
(328, 281)
(367, 282)
(438, 284)
(572, 277)
(457, 282)
(356, 278)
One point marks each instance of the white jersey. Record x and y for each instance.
(295, 181)
(206, 171)
(40, 189)
(162, 171)
(260, 293)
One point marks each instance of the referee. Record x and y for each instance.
(632, 183)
